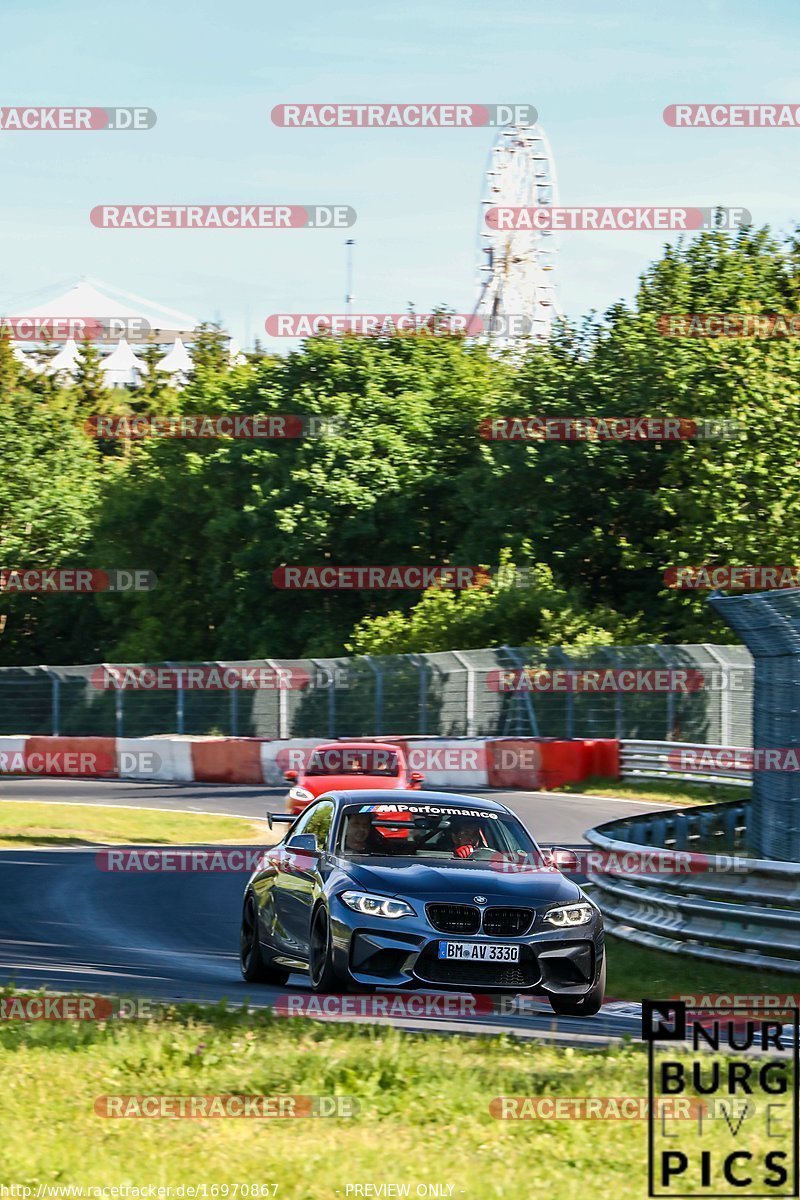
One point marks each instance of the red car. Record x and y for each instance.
(339, 766)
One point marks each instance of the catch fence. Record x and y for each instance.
(507, 691)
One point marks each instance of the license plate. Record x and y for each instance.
(482, 951)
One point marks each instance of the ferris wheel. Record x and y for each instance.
(516, 288)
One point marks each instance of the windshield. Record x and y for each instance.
(339, 760)
(428, 831)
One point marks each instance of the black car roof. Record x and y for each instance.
(415, 797)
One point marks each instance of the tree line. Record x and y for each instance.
(572, 538)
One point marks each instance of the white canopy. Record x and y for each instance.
(235, 355)
(65, 360)
(176, 362)
(141, 320)
(20, 355)
(122, 368)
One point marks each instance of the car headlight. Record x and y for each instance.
(377, 906)
(569, 915)
(300, 793)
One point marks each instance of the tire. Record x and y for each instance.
(323, 974)
(583, 1006)
(251, 957)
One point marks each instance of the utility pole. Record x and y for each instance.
(349, 297)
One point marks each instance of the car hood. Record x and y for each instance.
(317, 784)
(459, 883)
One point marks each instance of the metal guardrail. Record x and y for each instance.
(657, 760)
(727, 912)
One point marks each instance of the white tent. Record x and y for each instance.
(108, 317)
(122, 368)
(176, 363)
(26, 359)
(235, 355)
(66, 360)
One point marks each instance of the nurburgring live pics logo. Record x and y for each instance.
(612, 218)
(751, 1082)
(222, 216)
(402, 115)
(75, 119)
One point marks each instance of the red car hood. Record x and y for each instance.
(317, 784)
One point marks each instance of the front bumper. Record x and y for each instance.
(375, 952)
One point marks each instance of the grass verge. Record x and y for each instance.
(635, 972)
(423, 1114)
(29, 823)
(659, 791)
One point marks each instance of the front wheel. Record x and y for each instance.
(251, 958)
(323, 974)
(582, 1006)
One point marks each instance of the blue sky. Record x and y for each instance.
(599, 75)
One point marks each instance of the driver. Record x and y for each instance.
(359, 828)
(466, 835)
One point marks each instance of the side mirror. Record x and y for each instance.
(291, 776)
(416, 779)
(306, 842)
(560, 859)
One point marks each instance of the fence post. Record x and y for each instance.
(179, 705)
(470, 697)
(283, 701)
(55, 701)
(378, 673)
(421, 663)
(724, 698)
(331, 694)
(670, 694)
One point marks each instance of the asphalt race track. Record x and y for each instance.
(69, 926)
